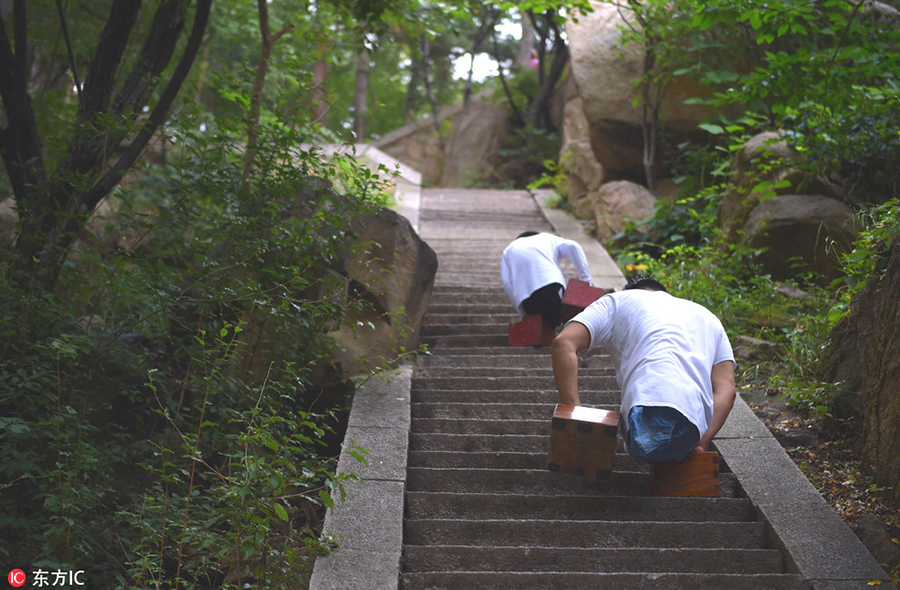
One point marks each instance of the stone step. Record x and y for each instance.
(533, 404)
(593, 581)
(466, 263)
(612, 534)
(627, 479)
(488, 265)
(503, 383)
(499, 317)
(576, 507)
(521, 443)
(519, 357)
(605, 400)
(464, 329)
(466, 558)
(483, 411)
(467, 341)
(478, 460)
(470, 427)
(476, 427)
(455, 308)
(505, 350)
(524, 481)
(542, 370)
(503, 460)
(471, 299)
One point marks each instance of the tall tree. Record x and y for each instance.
(54, 201)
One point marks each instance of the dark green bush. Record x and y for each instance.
(170, 417)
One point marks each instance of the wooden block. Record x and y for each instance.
(577, 296)
(697, 475)
(582, 441)
(532, 330)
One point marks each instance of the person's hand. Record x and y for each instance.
(699, 449)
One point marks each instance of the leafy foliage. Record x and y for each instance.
(843, 116)
(140, 434)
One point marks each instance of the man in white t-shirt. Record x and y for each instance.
(673, 362)
(531, 275)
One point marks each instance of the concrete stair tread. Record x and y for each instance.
(626, 480)
(469, 426)
(488, 411)
(606, 400)
(576, 507)
(505, 558)
(502, 460)
(593, 581)
(497, 372)
(500, 383)
(603, 534)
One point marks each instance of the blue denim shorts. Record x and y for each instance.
(660, 433)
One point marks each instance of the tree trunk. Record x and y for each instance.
(53, 209)
(262, 68)
(425, 45)
(863, 360)
(539, 115)
(650, 120)
(526, 44)
(361, 96)
(318, 97)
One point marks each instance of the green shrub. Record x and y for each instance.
(142, 438)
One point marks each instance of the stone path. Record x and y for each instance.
(456, 495)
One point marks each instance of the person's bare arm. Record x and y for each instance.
(564, 353)
(723, 400)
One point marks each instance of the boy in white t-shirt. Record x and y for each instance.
(673, 362)
(531, 275)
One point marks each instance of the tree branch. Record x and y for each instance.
(65, 29)
(168, 23)
(98, 85)
(158, 114)
(20, 144)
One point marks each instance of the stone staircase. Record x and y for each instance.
(482, 510)
(455, 493)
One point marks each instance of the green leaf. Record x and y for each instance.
(281, 512)
(713, 129)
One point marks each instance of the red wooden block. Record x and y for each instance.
(532, 330)
(582, 441)
(697, 475)
(577, 296)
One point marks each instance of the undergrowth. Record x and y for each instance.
(171, 416)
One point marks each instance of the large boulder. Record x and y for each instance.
(393, 270)
(618, 201)
(800, 233)
(604, 70)
(584, 173)
(863, 360)
(763, 167)
(382, 262)
(476, 136)
(418, 146)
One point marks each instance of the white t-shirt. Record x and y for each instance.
(663, 348)
(533, 262)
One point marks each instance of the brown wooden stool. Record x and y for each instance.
(577, 296)
(582, 441)
(697, 475)
(532, 330)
